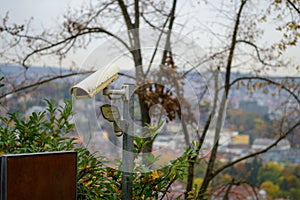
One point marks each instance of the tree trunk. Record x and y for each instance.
(222, 109)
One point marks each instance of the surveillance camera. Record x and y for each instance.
(96, 82)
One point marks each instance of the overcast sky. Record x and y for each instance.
(46, 13)
(43, 11)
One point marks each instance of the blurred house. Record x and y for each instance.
(253, 107)
(237, 192)
(282, 156)
(262, 143)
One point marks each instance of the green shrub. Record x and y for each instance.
(49, 130)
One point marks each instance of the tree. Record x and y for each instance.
(240, 46)
(294, 193)
(238, 37)
(253, 169)
(270, 172)
(74, 34)
(286, 183)
(271, 189)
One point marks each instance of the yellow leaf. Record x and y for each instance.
(155, 175)
(151, 128)
(88, 183)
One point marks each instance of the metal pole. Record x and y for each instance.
(127, 153)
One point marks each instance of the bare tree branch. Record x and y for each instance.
(193, 159)
(217, 171)
(210, 58)
(150, 24)
(125, 14)
(232, 48)
(171, 15)
(294, 6)
(136, 14)
(167, 48)
(73, 37)
(269, 81)
(211, 163)
(257, 52)
(43, 82)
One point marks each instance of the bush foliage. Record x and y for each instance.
(50, 130)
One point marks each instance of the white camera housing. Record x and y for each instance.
(96, 82)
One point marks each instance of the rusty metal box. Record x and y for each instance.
(38, 176)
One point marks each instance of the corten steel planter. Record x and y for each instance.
(38, 176)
